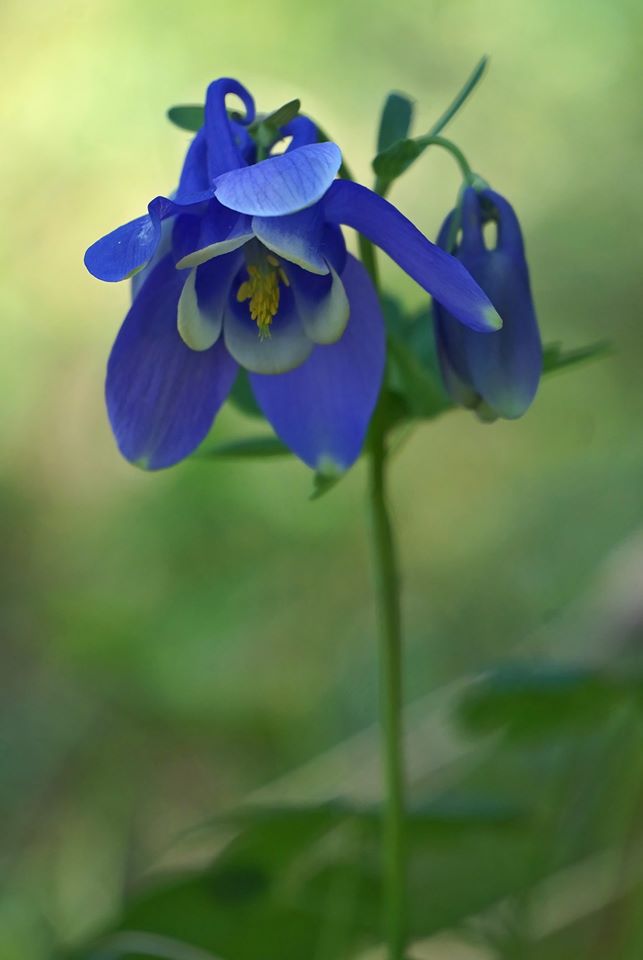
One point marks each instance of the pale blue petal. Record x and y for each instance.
(284, 348)
(203, 300)
(297, 238)
(281, 185)
(321, 303)
(218, 231)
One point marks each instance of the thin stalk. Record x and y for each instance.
(458, 101)
(390, 640)
(368, 257)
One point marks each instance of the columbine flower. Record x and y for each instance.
(245, 265)
(498, 373)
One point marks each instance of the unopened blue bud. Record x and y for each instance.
(495, 373)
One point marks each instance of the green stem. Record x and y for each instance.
(387, 590)
(368, 258)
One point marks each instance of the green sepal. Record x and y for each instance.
(323, 483)
(278, 118)
(395, 122)
(555, 358)
(266, 131)
(242, 397)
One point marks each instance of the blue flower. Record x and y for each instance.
(498, 373)
(245, 265)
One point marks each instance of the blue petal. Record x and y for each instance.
(297, 238)
(164, 247)
(439, 273)
(120, 253)
(244, 141)
(471, 233)
(194, 178)
(161, 396)
(223, 150)
(321, 303)
(334, 247)
(284, 348)
(322, 409)
(281, 185)
(509, 232)
(451, 340)
(302, 130)
(203, 300)
(218, 231)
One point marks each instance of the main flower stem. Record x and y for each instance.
(388, 598)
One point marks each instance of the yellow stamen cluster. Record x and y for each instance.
(262, 289)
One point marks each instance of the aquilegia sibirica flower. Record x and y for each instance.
(246, 266)
(497, 373)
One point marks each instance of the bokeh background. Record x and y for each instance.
(173, 644)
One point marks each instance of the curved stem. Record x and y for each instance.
(387, 591)
(454, 150)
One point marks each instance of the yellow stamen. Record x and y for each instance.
(262, 289)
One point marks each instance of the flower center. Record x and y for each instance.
(262, 289)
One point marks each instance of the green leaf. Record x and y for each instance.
(543, 700)
(244, 449)
(420, 389)
(555, 358)
(395, 121)
(413, 373)
(187, 116)
(392, 162)
(296, 877)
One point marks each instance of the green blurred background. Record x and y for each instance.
(172, 643)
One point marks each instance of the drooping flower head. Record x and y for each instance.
(245, 266)
(498, 373)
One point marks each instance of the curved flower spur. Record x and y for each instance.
(245, 265)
